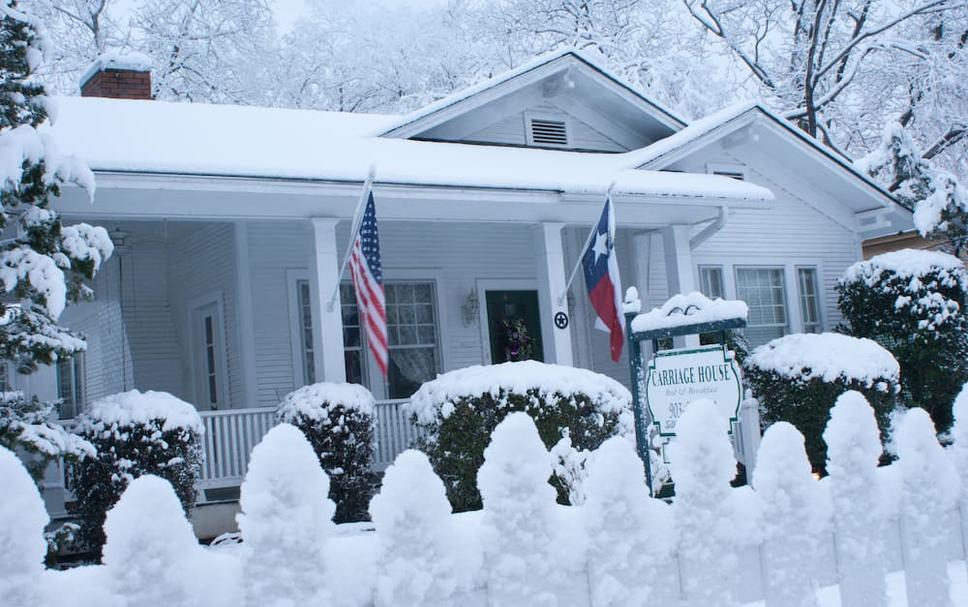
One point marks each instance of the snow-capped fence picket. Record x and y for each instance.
(777, 542)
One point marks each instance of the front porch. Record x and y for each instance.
(231, 313)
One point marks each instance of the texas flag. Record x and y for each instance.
(602, 280)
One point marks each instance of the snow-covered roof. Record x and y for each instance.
(538, 62)
(245, 141)
(652, 155)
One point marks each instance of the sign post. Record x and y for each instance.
(663, 389)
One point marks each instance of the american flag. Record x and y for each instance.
(367, 271)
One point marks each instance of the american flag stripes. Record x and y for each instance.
(366, 269)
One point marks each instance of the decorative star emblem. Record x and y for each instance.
(601, 245)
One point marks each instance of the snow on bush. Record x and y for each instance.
(418, 560)
(913, 302)
(797, 377)
(927, 288)
(285, 520)
(22, 545)
(853, 452)
(135, 433)
(152, 557)
(829, 357)
(459, 410)
(518, 528)
(705, 507)
(927, 472)
(568, 465)
(631, 537)
(689, 309)
(795, 514)
(338, 421)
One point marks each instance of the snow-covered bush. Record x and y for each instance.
(519, 527)
(853, 452)
(706, 511)
(631, 537)
(794, 515)
(796, 378)
(135, 433)
(460, 409)
(926, 470)
(914, 304)
(152, 557)
(285, 520)
(338, 421)
(418, 561)
(25, 427)
(22, 546)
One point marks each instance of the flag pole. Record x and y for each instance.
(584, 247)
(367, 186)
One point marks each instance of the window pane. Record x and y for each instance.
(763, 291)
(354, 366)
(711, 281)
(425, 313)
(306, 332)
(410, 367)
(809, 299)
(412, 331)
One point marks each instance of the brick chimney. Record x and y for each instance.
(118, 76)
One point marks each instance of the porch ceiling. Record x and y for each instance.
(152, 197)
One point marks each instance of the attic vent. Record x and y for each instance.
(548, 132)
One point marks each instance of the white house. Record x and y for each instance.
(231, 223)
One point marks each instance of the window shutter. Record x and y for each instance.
(548, 132)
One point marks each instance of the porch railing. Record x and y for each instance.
(231, 434)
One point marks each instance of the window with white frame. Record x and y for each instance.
(809, 299)
(412, 332)
(70, 385)
(353, 354)
(764, 292)
(304, 314)
(711, 281)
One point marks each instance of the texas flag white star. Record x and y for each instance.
(601, 245)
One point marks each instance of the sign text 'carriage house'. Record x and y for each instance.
(230, 223)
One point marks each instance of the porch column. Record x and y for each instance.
(679, 270)
(552, 276)
(324, 279)
(642, 258)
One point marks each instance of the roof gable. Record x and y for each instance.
(773, 140)
(568, 80)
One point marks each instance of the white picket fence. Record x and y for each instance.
(230, 435)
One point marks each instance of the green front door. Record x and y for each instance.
(514, 326)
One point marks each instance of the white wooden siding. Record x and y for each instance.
(512, 131)
(796, 231)
(130, 345)
(155, 353)
(275, 247)
(455, 255)
(202, 263)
